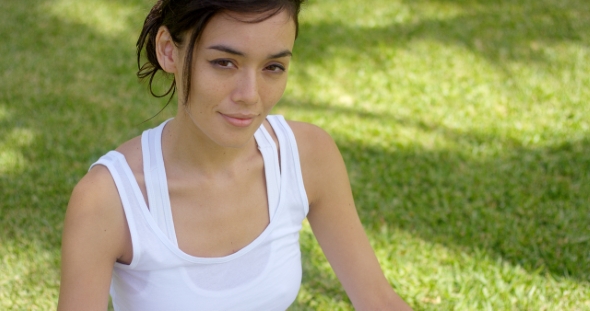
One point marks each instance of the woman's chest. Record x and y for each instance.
(218, 218)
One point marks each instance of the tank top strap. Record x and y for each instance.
(130, 195)
(290, 162)
(155, 181)
(272, 171)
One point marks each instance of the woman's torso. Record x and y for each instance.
(249, 245)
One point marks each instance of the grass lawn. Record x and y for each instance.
(465, 126)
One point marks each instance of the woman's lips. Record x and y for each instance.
(238, 120)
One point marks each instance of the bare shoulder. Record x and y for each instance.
(314, 144)
(95, 205)
(321, 161)
(95, 217)
(97, 189)
(95, 197)
(313, 141)
(96, 186)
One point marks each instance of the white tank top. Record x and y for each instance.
(264, 275)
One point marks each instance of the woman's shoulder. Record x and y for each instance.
(319, 158)
(95, 222)
(97, 188)
(94, 191)
(313, 141)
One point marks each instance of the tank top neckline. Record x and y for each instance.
(269, 152)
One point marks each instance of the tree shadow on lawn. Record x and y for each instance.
(528, 206)
(499, 31)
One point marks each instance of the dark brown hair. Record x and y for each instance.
(190, 17)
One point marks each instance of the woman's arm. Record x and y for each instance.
(336, 225)
(94, 237)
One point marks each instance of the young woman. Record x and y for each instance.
(204, 211)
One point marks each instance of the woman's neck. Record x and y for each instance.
(186, 147)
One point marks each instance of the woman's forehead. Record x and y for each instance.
(250, 32)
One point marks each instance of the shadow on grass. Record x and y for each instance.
(528, 206)
(497, 30)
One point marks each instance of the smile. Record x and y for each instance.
(238, 120)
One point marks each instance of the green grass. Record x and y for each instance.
(464, 125)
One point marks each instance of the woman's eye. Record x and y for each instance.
(222, 63)
(275, 68)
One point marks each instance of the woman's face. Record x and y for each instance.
(239, 73)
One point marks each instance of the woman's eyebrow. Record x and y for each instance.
(284, 53)
(226, 49)
(229, 50)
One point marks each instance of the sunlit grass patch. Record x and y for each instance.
(4, 114)
(11, 158)
(108, 18)
(441, 278)
(29, 280)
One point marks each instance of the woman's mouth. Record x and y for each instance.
(238, 120)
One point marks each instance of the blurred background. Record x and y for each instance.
(465, 126)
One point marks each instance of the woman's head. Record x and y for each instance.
(185, 20)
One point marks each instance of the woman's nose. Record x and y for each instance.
(246, 89)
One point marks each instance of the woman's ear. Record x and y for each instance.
(166, 50)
